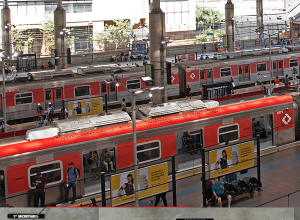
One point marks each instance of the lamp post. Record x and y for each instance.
(216, 16)
(89, 42)
(270, 61)
(3, 95)
(134, 93)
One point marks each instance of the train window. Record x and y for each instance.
(23, 98)
(261, 67)
(228, 133)
(48, 95)
(240, 70)
(133, 84)
(51, 171)
(225, 72)
(112, 87)
(208, 72)
(58, 93)
(201, 74)
(293, 62)
(246, 69)
(280, 64)
(274, 65)
(103, 88)
(148, 151)
(82, 91)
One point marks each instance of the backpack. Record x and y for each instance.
(75, 168)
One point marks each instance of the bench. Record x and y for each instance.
(235, 188)
(47, 65)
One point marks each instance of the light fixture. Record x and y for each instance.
(15, 54)
(138, 92)
(61, 33)
(163, 42)
(150, 94)
(117, 84)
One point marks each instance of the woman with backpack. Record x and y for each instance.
(95, 161)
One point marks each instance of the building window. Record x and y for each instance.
(51, 171)
(82, 91)
(23, 98)
(133, 84)
(261, 67)
(293, 62)
(225, 72)
(148, 151)
(228, 133)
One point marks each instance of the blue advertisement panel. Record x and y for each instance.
(139, 48)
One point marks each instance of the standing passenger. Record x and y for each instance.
(232, 85)
(50, 112)
(295, 76)
(40, 184)
(124, 109)
(72, 177)
(29, 65)
(188, 91)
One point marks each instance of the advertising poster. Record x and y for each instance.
(231, 159)
(185, 57)
(85, 107)
(139, 48)
(149, 180)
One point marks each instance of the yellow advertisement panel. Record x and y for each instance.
(85, 107)
(149, 183)
(231, 159)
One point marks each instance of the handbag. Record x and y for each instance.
(90, 169)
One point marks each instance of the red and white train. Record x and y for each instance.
(22, 97)
(159, 136)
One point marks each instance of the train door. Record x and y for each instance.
(2, 188)
(205, 76)
(263, 125)
(244, 71)
(91, 173)
(188, 145)
(55, 96)
(277, 68)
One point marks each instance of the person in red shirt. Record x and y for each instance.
(276, 81)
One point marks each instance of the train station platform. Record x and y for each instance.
(279, 177)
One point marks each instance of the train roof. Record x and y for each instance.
(83, 136)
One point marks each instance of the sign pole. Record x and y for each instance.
(174, 181)
(203, 177)
(258, 157)
(103, 189)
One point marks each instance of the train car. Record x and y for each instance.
(160, 133)
(44, 87)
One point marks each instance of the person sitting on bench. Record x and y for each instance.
(219, 192)
(50, 65)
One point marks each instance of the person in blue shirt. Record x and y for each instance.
(218, 191)
(71, 181)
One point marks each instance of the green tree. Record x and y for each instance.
(48, 33)
(20, 37)
(119, 32)
(207, 15)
